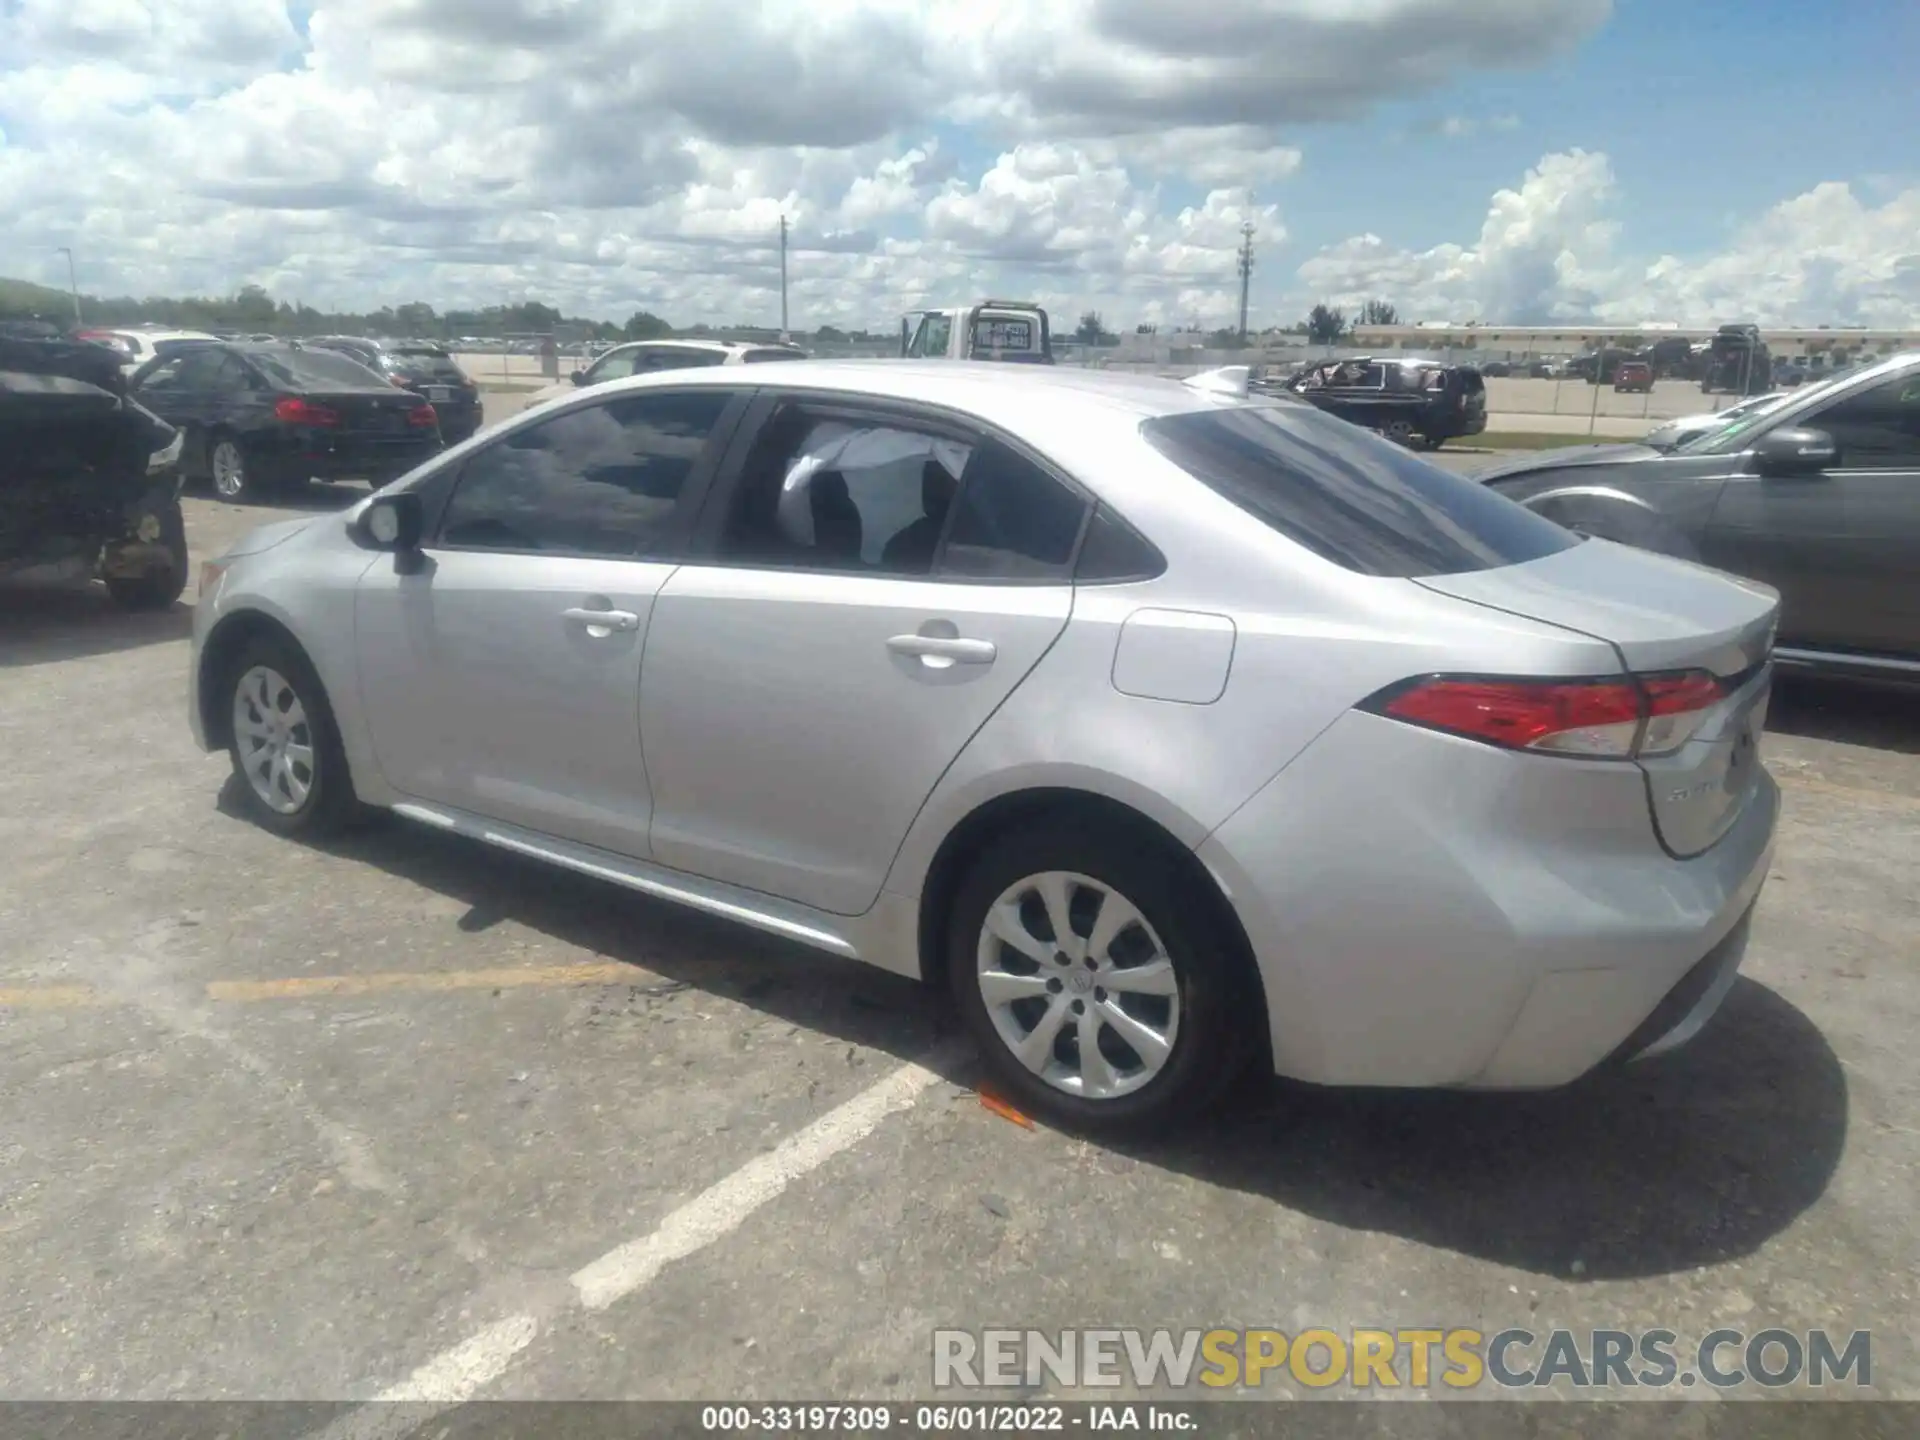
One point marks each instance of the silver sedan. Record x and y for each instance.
(1170, 728)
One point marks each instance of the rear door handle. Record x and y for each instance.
(603, 620)
(952, 649)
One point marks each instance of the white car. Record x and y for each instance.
(137, 347)
(644, 357)
(1675, 433)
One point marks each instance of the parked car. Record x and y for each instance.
(263, 419)
(88, 486)
(1633, 375)
(1414, 402)
(425, 367)
(1817, 495)
(644, 357)
(1114, 704)
(138, 346)
(1673, 433)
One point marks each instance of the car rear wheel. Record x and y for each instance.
(1401, 432)
(284, 745)
(1098, 994)
(227, 466)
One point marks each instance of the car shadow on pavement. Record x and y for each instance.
(1851, 712)
(39, 625)
(1684, 1161)
(1692, 1159)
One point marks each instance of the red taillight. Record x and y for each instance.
(292, 410)
(423, 415)
(1597, 719)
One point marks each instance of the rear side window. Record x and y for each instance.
(1349, 496)
(1013, 521)
(314, 368)
(430, 364)
(760, 357)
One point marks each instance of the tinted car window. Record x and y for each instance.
(615, 365)
(195, 368)
(314, 369)
(1877, 428)
(602, 480)
(678, 360)
(434, 365)
(759, 357)
(1012, 520)
(831, 494)
(1349, 496)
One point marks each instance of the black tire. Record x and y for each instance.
(157, 589)
(1211, 1041)
(329, 804)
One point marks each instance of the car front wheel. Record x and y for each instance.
(284, 746)
(1097, 994)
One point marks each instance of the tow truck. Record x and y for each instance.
(1009, 330)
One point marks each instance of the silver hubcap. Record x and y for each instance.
(229, 475)
(1078, 985)
(275, 741)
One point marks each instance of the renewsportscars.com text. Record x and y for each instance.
(1363, 1359)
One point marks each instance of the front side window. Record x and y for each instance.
(616, 365)
(1350, 497)
(1877, 428)
(602, 480)
(932, 338)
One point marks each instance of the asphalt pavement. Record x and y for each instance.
(404, 1116)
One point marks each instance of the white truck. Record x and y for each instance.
(1009, 330)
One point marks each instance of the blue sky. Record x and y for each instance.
(1498, 159)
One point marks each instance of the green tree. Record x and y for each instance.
(1379, 312)
(1325, 324)
(1090, 330)
(416, 318)
(645, 325)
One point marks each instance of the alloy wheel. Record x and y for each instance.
(274, 740)
(229, 471)
(1078, 985)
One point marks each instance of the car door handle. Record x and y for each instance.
(943, 647)
(602, 619)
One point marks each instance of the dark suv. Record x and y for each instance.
(424, 367)
(1419, 403)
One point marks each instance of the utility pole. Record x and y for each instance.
(73, 284)
(783, 279)
(1246, 270)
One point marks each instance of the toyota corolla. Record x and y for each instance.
(1168, 727)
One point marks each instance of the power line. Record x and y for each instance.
(784, 333)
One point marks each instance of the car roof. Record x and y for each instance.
(1028, 399)
(724, 347)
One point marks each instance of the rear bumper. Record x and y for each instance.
(1427, 911)
(377, 465)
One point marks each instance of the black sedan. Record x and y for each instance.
(422, 366)
(1818, 496)
(260, 418)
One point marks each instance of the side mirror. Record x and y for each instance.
(1794, 450)
(393, 522)
(579, 377)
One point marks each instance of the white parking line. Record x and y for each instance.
(457, 1375)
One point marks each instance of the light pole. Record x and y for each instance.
(73, 283)
(785, 334)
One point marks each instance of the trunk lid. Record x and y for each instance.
(1660, 615)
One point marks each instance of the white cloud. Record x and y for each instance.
(606, 157)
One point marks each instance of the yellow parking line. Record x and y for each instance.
(426, 982)
(50, 997)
